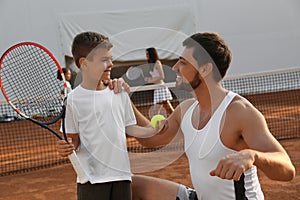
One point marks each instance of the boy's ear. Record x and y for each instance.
(82, 62)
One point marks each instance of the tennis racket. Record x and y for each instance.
(133, 73)
(28, 80)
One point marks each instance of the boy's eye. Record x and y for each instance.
(107, 59)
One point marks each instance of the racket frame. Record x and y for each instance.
(72, 157)
(135, 69)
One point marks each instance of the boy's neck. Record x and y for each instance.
(99, 86)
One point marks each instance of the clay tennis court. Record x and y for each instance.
(58, 182)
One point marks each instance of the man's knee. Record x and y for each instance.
(186, 193)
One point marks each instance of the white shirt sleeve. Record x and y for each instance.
(129, 116)
(71, 121)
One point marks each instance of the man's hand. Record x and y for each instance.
(117, 85)
(234, 165)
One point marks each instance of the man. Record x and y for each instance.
(225, 137)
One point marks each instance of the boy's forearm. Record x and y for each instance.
(140, 132)
(140, 118)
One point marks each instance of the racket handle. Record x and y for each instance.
(78, 168)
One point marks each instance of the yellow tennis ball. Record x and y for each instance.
(156, 118)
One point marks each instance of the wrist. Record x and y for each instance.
(78, 148)
(254, 156)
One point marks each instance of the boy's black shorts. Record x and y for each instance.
(105, 191)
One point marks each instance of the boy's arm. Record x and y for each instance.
(141, 132)
(140, 118)
(168, 130)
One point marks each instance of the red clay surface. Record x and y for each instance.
(58, 183)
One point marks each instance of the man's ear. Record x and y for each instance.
(206, 69)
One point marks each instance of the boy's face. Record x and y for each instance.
(99, 64)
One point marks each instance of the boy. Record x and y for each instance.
(96, 122)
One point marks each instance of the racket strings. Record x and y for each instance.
(30, 82)
(134, 73)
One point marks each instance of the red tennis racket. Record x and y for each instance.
(29, 83)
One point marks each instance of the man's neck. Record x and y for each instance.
(209, 98)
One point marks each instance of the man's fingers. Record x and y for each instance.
(126, 87)
(118, 85)
(228, 173)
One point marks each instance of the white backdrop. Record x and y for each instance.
(263, 35)
(132, 31)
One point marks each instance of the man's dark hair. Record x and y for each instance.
(210, 48)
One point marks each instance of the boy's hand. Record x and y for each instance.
(160, 125)
(63, 148)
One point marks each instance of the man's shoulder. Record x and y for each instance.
(242, 108)
(185, 105)
(240, 102)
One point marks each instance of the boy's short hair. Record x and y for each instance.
(84, 43)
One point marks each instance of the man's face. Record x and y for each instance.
(187, 71)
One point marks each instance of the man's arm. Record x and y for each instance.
(267, 152)
(260, 147)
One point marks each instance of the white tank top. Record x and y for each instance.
(204, 149)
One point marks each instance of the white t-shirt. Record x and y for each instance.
(100, 118)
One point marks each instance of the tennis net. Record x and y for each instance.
(25, 146)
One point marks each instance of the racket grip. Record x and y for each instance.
(78, 168)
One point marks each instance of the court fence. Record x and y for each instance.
(25, 146)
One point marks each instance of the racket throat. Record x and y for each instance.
(45, 127)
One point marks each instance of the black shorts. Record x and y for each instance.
(104, 191)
